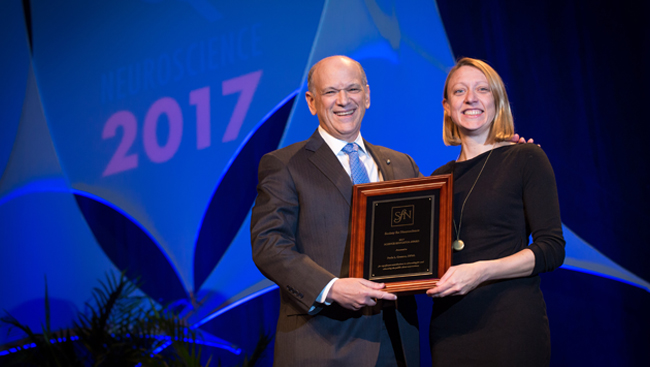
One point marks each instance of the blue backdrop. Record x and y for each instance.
(131, 131)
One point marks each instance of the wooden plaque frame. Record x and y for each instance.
(441, 243)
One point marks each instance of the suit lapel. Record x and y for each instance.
(325, 160)
(382, 162)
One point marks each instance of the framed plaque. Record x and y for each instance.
(401, 232)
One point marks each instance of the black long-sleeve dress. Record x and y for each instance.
(502, 322)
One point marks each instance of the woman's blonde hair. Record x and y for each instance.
(503, 127)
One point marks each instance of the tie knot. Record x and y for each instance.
(351, 147)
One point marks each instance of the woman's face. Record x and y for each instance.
(470, 102)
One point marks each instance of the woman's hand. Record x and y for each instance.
(459, 280)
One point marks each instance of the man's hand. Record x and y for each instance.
(520, 140)
(355, 293)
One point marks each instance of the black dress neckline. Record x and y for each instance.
(478, 157)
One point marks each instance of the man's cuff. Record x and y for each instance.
(322, 298)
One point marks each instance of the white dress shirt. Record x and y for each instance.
(336, 145)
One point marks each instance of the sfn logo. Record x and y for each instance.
(402, 216)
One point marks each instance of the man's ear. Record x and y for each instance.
(311, 102)
(367, 96)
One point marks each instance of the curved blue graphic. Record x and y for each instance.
(581, 256)
(132, 249)
(236, 192)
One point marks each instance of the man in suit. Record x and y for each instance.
(300, 233)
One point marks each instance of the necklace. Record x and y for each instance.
(458, 245)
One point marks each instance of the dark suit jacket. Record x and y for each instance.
(300, 234)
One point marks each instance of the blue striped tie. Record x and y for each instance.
(359, 173)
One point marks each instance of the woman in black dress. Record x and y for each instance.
(488, 308)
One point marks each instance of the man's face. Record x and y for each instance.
(339, 97)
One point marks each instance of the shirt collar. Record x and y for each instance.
(336, 145)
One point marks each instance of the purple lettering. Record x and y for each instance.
(155, 152)
(120, 160)
(201, 99)
(246, 84)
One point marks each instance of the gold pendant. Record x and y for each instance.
(458, 245)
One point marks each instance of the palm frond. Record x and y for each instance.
(119, 327)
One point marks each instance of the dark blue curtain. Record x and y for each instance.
(577, 77)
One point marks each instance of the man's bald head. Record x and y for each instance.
(310, 76)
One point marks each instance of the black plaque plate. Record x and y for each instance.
(402, 231)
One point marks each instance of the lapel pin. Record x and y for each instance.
(388, 161)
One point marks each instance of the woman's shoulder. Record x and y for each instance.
(447, 168)
(526, 151)
(528, 157)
